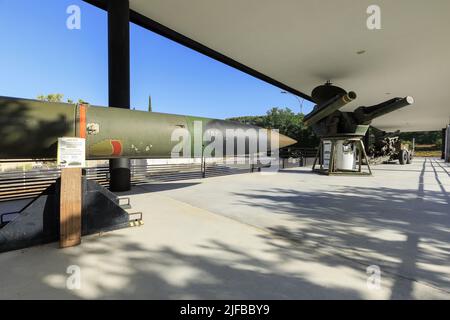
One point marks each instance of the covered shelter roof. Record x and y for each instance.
(300, 44)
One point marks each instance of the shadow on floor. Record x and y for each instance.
(406, 232)
(129, 270)
(156, 187)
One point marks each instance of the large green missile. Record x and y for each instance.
(29, 129)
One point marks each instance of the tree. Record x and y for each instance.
(56, 97)
(52, 97)
(424, 137)
(287, 122)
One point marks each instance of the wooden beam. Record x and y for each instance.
(70, 207)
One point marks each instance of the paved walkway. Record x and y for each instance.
(293, 235)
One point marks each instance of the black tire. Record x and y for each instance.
(403, 157)
(410, 157)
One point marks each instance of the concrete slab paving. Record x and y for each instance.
(293, 235)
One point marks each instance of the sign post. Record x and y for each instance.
(70, 207)
(71, 159)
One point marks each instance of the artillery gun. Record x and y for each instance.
(341, 133)
(387, 147)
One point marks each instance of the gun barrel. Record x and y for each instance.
(364, 115)
(327, 108)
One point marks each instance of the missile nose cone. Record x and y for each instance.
(283, 141)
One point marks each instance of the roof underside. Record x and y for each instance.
(299, 44)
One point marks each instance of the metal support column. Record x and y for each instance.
(446, 142)
(366, 139)
(444, 136)
(119, 80)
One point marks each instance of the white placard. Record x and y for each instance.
(326, 153)
(71, 153)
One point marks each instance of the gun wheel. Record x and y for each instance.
(410, 157)
(403, 157)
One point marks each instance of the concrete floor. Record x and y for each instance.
(292, 235)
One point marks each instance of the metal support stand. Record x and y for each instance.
(203, 162)
(203, 167)
(70, 207)
(120, 174)
(330, 168)
(39, 222)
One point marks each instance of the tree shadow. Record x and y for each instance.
(26, 136)
(405, 232)
(125, 269)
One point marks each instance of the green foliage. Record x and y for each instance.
(425, 137)
(439, 143)
(287, 122)
(57, 97)
(407, 143)
(52, 97)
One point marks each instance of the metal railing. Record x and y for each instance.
(297, 157)
(298, 152)
(29, 183)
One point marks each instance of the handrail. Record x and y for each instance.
(28, 184)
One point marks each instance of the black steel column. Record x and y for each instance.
(119, 80)
(366, 139)
(444, 135)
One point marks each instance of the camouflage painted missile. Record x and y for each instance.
(29, 129)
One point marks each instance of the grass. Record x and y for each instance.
(427, 150)
(435, 153)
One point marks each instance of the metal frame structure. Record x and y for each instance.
(331, 169)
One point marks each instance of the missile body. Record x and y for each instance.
(29, 129)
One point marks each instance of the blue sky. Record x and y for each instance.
(40, 55)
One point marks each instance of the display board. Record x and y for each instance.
(71, 152)
(326, 153)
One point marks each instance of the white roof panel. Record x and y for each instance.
(303, 43)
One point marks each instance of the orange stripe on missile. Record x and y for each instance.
(82, 129)
(117, 147)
